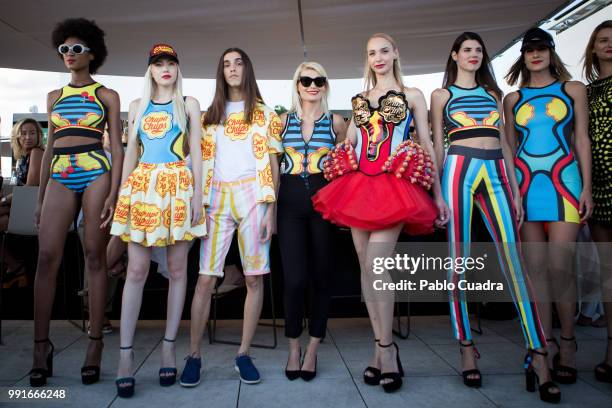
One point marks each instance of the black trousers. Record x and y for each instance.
(306, 250)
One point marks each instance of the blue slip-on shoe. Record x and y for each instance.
(248, 372)
(190, 377)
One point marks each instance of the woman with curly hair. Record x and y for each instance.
(75, 168)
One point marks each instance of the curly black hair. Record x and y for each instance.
(86, 30)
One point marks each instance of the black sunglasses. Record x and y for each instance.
(318, 81)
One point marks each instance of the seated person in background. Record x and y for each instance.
(27, 144)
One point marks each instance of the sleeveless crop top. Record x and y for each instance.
(380, 130)
(160, 135)
(470, 112)
(304, 158)
(79, 112)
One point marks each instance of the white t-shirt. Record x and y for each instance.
(234, 158)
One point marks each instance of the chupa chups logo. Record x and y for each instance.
(235, 126)
(260, 146)
(145, 217)
(265, 177)
(156, 124)
(276, 126)
(163, 49)
(259, 117)
(207, 145)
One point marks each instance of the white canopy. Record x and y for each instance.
(334, 31)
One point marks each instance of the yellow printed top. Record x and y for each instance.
(264, 131)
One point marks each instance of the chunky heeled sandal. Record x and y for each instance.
(39, 375)
(531, 379)
(293, 374)
(91, 374)
(603, 371)
(373, 379)
(396, 378)
(467, 380)
(167, 375)
(125, 385)
(561, 373)
(308, 375)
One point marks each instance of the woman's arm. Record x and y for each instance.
(132, 151)
(36, 157)
(192, 108)
(416, 102)
(582, 144)
(509, 131)
(339, 126)
(439, 97)
(110, 98)
(45, 166)
(508, 153)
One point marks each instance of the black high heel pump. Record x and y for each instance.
(471, 382)
(91, 374)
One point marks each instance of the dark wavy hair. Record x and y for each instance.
(215, 114)
(484, 74)
(87, 31)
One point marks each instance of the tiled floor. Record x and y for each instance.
(430, 357)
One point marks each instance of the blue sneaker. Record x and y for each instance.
(248, 372)
(190, 376)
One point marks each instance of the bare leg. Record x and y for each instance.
(562, 239)
(293, 362)
(177, 268)
(534, 241)
(603, 236)
(384, 246)
(137, 272)
(200, 310)
(57, 214)
(360, 240)
(95, 241)
(252, 310)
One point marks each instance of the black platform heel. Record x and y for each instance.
(167, 375)
(125, 385)
(293, 374)
(373, 379)
(38, 376)
(603, 371)
(531, 379)
(571, 374)
(91, 374)
(396, 378)
(471, 382)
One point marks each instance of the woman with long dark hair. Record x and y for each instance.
(479, 170)
(240, 143)
(598, 71)
(391, 168)
(546, 124)
(74, 166)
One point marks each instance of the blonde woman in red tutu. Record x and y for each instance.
(381, 178)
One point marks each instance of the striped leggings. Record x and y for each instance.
(476, 176)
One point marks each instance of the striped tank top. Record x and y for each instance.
(302, 158)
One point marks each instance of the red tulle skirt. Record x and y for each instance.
(376, 203)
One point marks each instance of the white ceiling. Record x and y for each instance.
(335, 31)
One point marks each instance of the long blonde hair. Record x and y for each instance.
(177, 99)
(296, 100)
(18, 149)
(368, 74)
